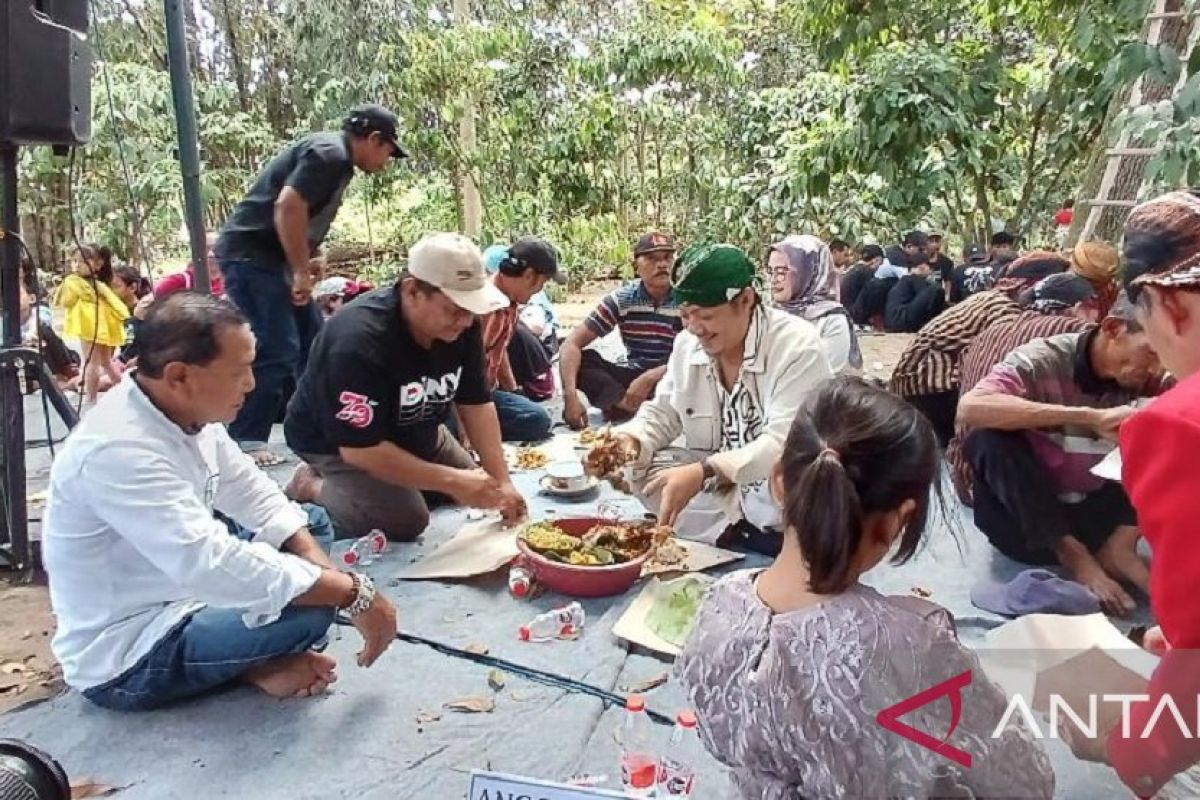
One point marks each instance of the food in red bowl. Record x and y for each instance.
(588, 556)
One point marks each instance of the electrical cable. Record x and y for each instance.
(135, 207)
(610, 699)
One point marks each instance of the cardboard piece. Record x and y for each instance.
(632, 625)
(1076, 658)
(1110, 467)
(479, 548)
(698, 557)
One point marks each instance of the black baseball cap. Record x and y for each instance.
(916, 238)
(870, 251)
(530, 252)
(654, 242)
(977, 254)
(371, 118)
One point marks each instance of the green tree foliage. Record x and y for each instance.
(741, 119)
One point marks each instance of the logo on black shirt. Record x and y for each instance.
(428, 397)
(358, 410)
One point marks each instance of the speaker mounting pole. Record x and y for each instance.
(189, 151)
(12, 481)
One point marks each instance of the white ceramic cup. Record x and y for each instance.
(567, 475)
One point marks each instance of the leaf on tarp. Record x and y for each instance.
(496, 680)
(471, 705)
(643, 686)
(89, 788)
(426, 717)
(477, 649)
(523, 697)
(12, 667)
(921, 591)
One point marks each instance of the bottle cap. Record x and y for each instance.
(350, 558)
(519, 588)
(523, 633)
(687, 719)
(635, 702)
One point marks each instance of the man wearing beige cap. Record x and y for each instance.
(383, 374)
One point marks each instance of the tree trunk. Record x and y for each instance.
(468, 186)
(235, 57)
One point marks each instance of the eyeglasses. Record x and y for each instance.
(779, 272)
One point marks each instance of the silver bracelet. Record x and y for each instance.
(364, 594)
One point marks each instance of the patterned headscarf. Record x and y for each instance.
(1059, 293)
(1162, 242)
(814, 282)
(1030, 268)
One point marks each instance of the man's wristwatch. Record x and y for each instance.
(364, 594)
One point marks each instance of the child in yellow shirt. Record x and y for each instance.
(95, 315)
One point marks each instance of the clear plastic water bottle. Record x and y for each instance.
(639, 766)
(559, 623)
(677, 767)
(363, 551)
(520, 581)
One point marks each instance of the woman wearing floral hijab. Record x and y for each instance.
(803, 282)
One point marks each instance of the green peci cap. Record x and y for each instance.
(708, 275)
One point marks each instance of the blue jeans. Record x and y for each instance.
(521, 419)
(213, 646)
(209, 649)
(283, 334)
(319, 525)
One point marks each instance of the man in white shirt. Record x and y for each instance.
(155, 599)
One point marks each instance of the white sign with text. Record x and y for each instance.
(498, 786)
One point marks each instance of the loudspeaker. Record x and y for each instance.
(45, 72)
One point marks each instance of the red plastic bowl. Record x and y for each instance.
(581, 581)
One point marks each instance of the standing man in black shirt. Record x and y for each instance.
(265, 247)
(369, 413)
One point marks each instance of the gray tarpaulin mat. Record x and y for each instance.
(365, 740)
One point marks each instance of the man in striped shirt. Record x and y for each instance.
(648, 319)
(927, 373)
(1041, 419)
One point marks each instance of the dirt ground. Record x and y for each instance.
(27, 669)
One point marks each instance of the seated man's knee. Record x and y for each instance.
(407, 527)
(312, 625)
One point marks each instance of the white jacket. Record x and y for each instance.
(784, 363)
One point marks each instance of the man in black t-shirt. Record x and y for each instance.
(265, 247)
(368, 415)
(942, 264)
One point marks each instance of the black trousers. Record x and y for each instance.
(1018, 509)
(527, 354)
(940, 409)
(602, 381)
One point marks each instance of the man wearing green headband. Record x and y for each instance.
(737, 375)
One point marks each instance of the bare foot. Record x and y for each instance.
(1084, 568)
(1113, 598)
(305, 484)
(299, 675)
(1119, 557)
(265, 458)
